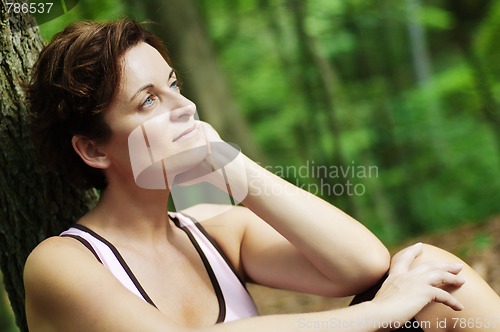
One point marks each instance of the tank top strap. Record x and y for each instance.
(238, 302)
(109, 256)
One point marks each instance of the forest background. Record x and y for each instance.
(387, 109)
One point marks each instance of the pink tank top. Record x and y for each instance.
(234, 300)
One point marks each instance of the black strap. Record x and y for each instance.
(85, 243)
(120, 259)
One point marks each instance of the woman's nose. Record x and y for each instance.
(183, 109)
(183, 113)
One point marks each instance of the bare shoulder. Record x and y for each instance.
(42, 281)
(67, 289)
(227, 217)
(56, 245)
(218, 212)
(50, 255)
(46, 256)
(227, 225)
(52, 269)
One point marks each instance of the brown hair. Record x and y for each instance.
(73, 82)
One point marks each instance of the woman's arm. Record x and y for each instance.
(319, 248)
(338, 246)
(68, 290)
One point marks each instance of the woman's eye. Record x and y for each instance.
(174, 85)
(149, 101)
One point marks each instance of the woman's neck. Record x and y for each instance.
(130, 213)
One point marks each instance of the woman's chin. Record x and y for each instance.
(186, 160)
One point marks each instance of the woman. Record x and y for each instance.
(128, 265)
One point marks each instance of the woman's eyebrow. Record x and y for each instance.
(150, 85)
(141, 89)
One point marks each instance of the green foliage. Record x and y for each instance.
(435, 17)
(337, 82)
(84, 10)
(409, 87)
(436, 152)
(7, 323)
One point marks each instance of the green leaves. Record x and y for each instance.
(435, 152)
(341, 81)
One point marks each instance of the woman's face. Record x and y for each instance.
(149, 119)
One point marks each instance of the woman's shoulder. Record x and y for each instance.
(222, 221)
(226, 225)
(51, 278)
(216, 212)
(52, 261)
(67, 289)
(54, 250)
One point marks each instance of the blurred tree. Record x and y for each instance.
(34, 205)
(467, 15)
(383, 150)
(303, 137)
(400, 147)
(319, 82)
(422, 68)
(388, 76)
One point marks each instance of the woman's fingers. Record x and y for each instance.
(442, 266)
(401, 262)
(446, 279)
(442, 296)
(439, 274)
(409, 287)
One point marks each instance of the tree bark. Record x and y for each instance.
(34, 205)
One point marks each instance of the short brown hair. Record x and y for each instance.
(75, 79)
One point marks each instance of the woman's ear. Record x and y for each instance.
(90, 153)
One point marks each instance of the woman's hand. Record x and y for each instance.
(408, 290)
(223, 165)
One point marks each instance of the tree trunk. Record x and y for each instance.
(34, 205)
(423, 73)
(321, 85)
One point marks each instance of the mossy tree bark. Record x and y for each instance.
(33, 205)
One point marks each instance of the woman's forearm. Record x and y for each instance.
(337, 245)
(364, 317)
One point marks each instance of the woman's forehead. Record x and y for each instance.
(143, 64)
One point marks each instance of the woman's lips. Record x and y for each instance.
(184, 133)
